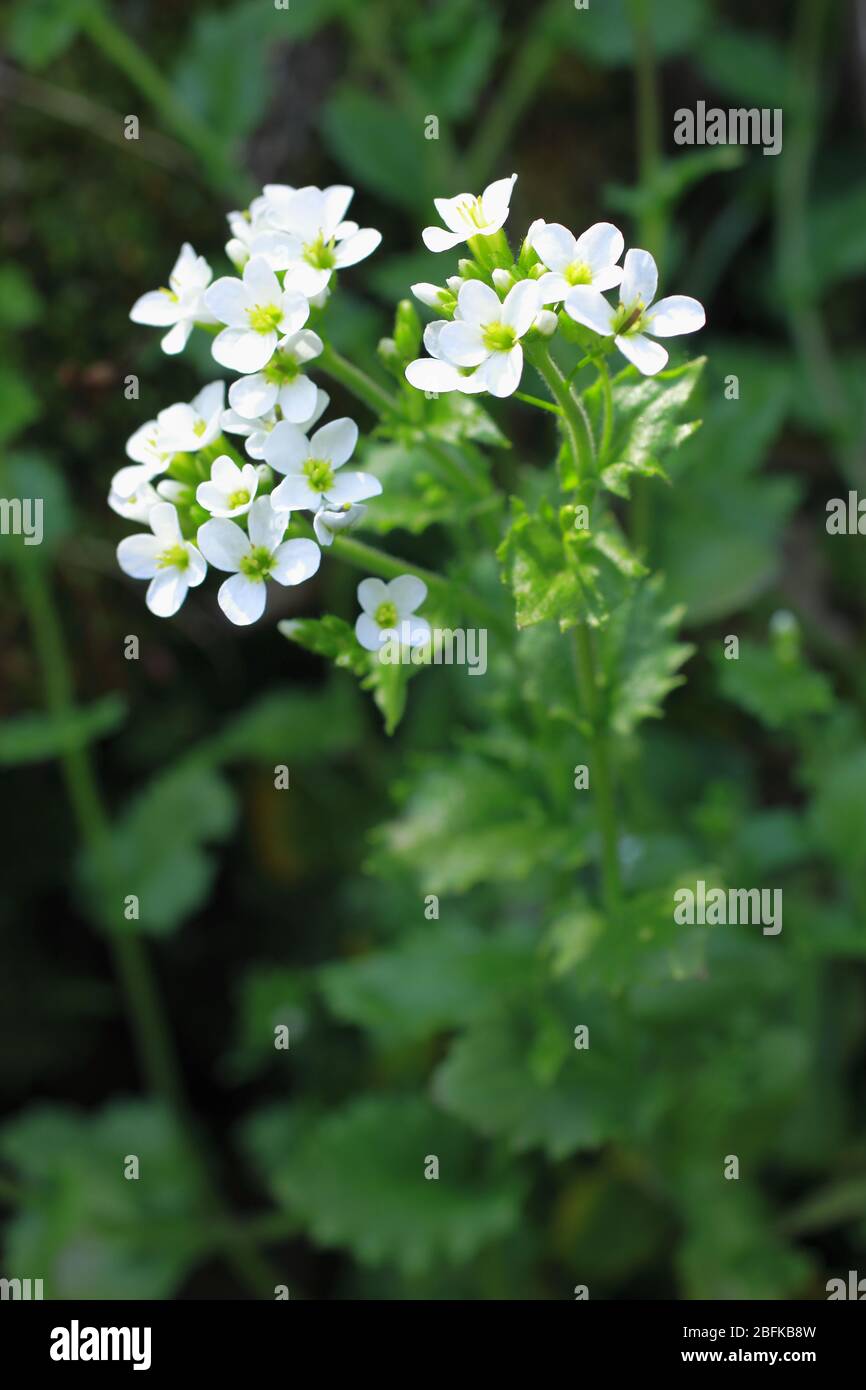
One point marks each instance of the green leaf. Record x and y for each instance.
(439, 977)
(355, 1178)
(837, 235)
(269, 997)
(838, 815)
(19, 406)
(415, 493)
(750, 67)
(289, 723)
(640, 657)
(20, 304)
(777, 692)
(227, 96)
(451, 49)
(334, 639)
(605, 32)
(84, 1228)
(31, 738)
(158, 847)
(37, 34)
(382, 150)
(533, 559)
(648, 416)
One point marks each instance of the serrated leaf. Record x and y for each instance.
(777, 692)
(355, 1178)
(31, 738)
(640, 657)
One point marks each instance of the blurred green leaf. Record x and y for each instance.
(748, 66)
(32, 738)
(777, 692)
(289, 723)
(355, 1178)
(377, 146)
(36, 34)
(20, 304)
(605, 32)
(451, 49)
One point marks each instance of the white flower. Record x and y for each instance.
(180, 306)
(255, 232)
(485, 333)
(257, 431)
(330, 519)
(231, 490)
(188, 428)
(257, 313)
(322, 241)
(634, 317)
(312, 466)
(434, 374)
(281, 382)
(253, 559)
(172, 564)
(136, 506)
(434, 296)
(151, 456)
(389, 611)
(590, 259)
(466, 216)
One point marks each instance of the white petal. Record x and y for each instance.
(303, 346)
(306, 280)
(462, 343)
(419, 631)
(335, 203)
(495, 200)
(295, 561)
(554, 245)
(243, 350)
(429, 374)
(164, 523)
(226, 474)
(552, 287)
(607, 278)
(223, 544)
(368, 632)
(138, 556)
(323, 400)
(228, 300)
(297, 400)
(294, 494)
(357, 248)
(288, 448)
(241, 599)
(585, 305)
(306, 212)
(408, 592)
(437, 239)
(521, 305)
(267, 526)
(260, 282)
(253, 396)
(296, 311)
(156, 309)
(502, 371)
(678, 313)
(353, 487)
(166, 592)
(640, 278)
(176, 338)
(478, 303)
(600, 245)
(197, 567)
(647, 356)
(372, 593)
(210, 400)
(335, 441)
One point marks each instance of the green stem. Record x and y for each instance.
(539, 404)
(653, 219)
(121, 50)
(575, 421)
(381, 401)
(607, 426)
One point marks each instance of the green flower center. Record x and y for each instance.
(199, 427)
(264, 318)
(280, 369)
(472, 212)
(257, 563)
(319, 474)
(170, 294)
(498, 337)
(629, 318)
(320, 254)
(175, 557)
(386, 614)
(238, 499)
(578, 273)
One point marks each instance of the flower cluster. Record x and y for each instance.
(497, 303)
(203, 502)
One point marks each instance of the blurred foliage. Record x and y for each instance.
(414, 1033)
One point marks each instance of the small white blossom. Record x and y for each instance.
(485, 334)
(389, 612)
(188, 428)
(434, 296)
(181, 305)
(312, 467)
(257, 431)
(230, 490)
(328, 520)
(635, 316)
(590, 259)
(466, 216)
(172, 564)
(281, 382)
(256, 233)
(435, 374)
(322, 241)
(151, 456)
(136, 506)
(253, 559)
(257, 313)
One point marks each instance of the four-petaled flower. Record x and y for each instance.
(187, 428)
(230, 490)
(311, 466)
(467, 216)
(257, 312)
(389, 612)
(253, 559)
(485, 335)
(180, 306)
(319, 240)
(636, 316)
(590, 259)
(281, 382)
(172, 564)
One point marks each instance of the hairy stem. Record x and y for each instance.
(380, 400)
